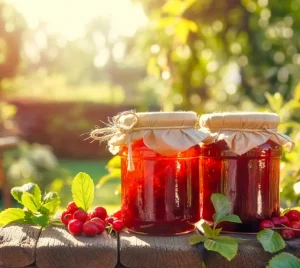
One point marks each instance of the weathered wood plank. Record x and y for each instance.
(140, 251)
(17, 245)
(250, 254)
(57, 248)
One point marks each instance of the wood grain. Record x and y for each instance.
(140, 251)
(57, 248)
(17, 245)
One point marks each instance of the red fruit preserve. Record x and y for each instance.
(161, 195)
(159, 169)
(241, 159)
(250, 181)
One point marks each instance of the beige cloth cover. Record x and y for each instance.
(243, 131)
(166, 133)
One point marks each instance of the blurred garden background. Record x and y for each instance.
(67, 65)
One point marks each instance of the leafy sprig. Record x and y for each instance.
(36, 209)
(227, 246)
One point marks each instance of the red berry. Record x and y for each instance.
(90, 228)
(296, 225)
(118, 214)
(72, 207)
(118, 225)
(88, 217)
(110, 220)
(99, 212)
(66, 219)
(279, 221)
(287, 234)
(266, 224)
(80, 215)
(63, 214)
(100, 223)
(293, 215)
(75, 227)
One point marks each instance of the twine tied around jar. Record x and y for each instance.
(117, 128)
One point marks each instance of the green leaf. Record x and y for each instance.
(216, 232)
(40, 219)
(30, 202)
(50, 197)
(177, 7)
(113, 163)
(52, 206)
(275, 101)
(270, 240)
(222, 207)
(208, 231)
(114, 174)
(11, 215)
(225, 245)
(30, 187)
(231, 218)
(284, 260)
(83, 190)
(195, 239)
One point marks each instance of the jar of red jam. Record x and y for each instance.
(241, 159)
(159, 171)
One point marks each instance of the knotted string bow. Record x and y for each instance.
(120, 127)
(104, 134)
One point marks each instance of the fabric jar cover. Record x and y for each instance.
(243, 131)
(166, 133)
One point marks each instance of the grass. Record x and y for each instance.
(105, 196)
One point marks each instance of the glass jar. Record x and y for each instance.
(250, 181)
(161, 195)
(241, 159)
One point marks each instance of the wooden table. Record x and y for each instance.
(29, 246)
(5, 144)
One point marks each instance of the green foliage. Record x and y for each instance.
(36, 164)
(284, 260)
(222, 208)
(83, 190)
(114, 172)
(35, 210)
(225, 245)
(270, 240)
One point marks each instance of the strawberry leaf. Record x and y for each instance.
(30, 187)
(11, 215)
(30, 202)
(270, 240)
(284, 260)
(195, 239)
(225, 245)
(83, 191)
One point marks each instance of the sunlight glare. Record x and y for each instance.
(70, 17)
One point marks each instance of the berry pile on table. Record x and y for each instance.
(90, 223)
(288, 225)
